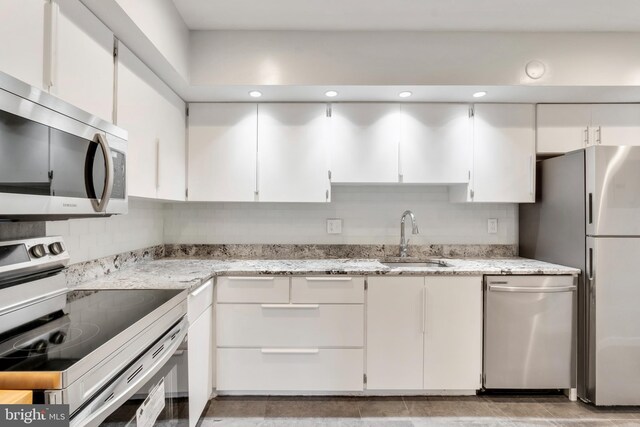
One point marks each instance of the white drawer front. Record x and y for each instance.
(328, 289)
(199, 300)
(290, 325)
(253, 289)
(295, 369)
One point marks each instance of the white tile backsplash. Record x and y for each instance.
(88, 239)
(370, 214)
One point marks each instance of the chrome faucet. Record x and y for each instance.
(404, 245)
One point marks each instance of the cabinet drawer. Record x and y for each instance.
(327, 289)
(199, 300)
(289, 369)
(290, 325)
(253, 289)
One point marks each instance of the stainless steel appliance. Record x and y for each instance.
(588, 217)
(529, 332)
(102, 352)
(57, 161)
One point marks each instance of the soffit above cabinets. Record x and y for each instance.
(444, 93)
(411, 15)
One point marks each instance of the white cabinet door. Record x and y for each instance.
(364, 143)
(222, 152)
(395, 323)
(22, 26)
(436, 146)
(154, 116)
(616, 124)
(453, 333)
(292, 153)
(562, 127)
(83, 67)
(199, 342)
(172, 137)
(504, 153)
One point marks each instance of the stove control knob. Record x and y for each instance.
(57, 337)
(38, 251)
(40, 347)
(56, 248)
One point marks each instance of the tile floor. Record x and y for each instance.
(542, 410)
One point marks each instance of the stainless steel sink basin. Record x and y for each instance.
(412, 264)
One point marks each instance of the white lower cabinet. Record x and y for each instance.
(200, 350)
(290, 369)
(424, 333)
(453, 333)
(267, 342)
(395, 333)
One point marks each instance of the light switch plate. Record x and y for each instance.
(492, 225)
(334, 226)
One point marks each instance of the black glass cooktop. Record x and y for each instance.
(57, 341)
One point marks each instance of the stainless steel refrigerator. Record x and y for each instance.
(587, 216)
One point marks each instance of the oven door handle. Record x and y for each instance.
(101, 206)
(130, 380)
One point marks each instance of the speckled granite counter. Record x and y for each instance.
(187, 273)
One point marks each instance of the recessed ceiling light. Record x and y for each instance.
(479, 94)
(331, 93)
(255, 94)
(405, 94)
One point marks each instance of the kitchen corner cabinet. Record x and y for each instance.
(424, 333)
(436, 144)
(364, 142)
(503, 155)
(22, 26)
(292, 153)
(155, 118)
(222, 152)
(566, 127)
(200, 350)
(82, 70)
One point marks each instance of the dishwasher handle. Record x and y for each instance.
(531, 289)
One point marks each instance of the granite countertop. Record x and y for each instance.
(176, 273)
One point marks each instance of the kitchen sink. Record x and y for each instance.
(413, 264)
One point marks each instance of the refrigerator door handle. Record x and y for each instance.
(590, 213)
(590, 266)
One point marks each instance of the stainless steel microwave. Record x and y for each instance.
(57, 161)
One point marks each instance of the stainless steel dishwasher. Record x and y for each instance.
(529, 332)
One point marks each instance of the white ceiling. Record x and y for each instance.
(417, 15)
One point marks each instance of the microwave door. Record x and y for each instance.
(82, 171)
(24, 156)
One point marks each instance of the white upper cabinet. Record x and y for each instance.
(154, 116)
(562, 127)
(364, 145)
(615, 124)
(22, 52)
(503, 154)
(83, 67)
(566, 127)
(292, 153)
(222, 152)
(436, 145)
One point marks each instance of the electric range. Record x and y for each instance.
(73, 347)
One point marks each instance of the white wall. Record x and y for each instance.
(411, 58)
(371, 215)
(92, 238)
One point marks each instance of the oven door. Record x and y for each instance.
(152, 391)
(55, 167)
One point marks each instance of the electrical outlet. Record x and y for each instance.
(492, 225)
(334, 226)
